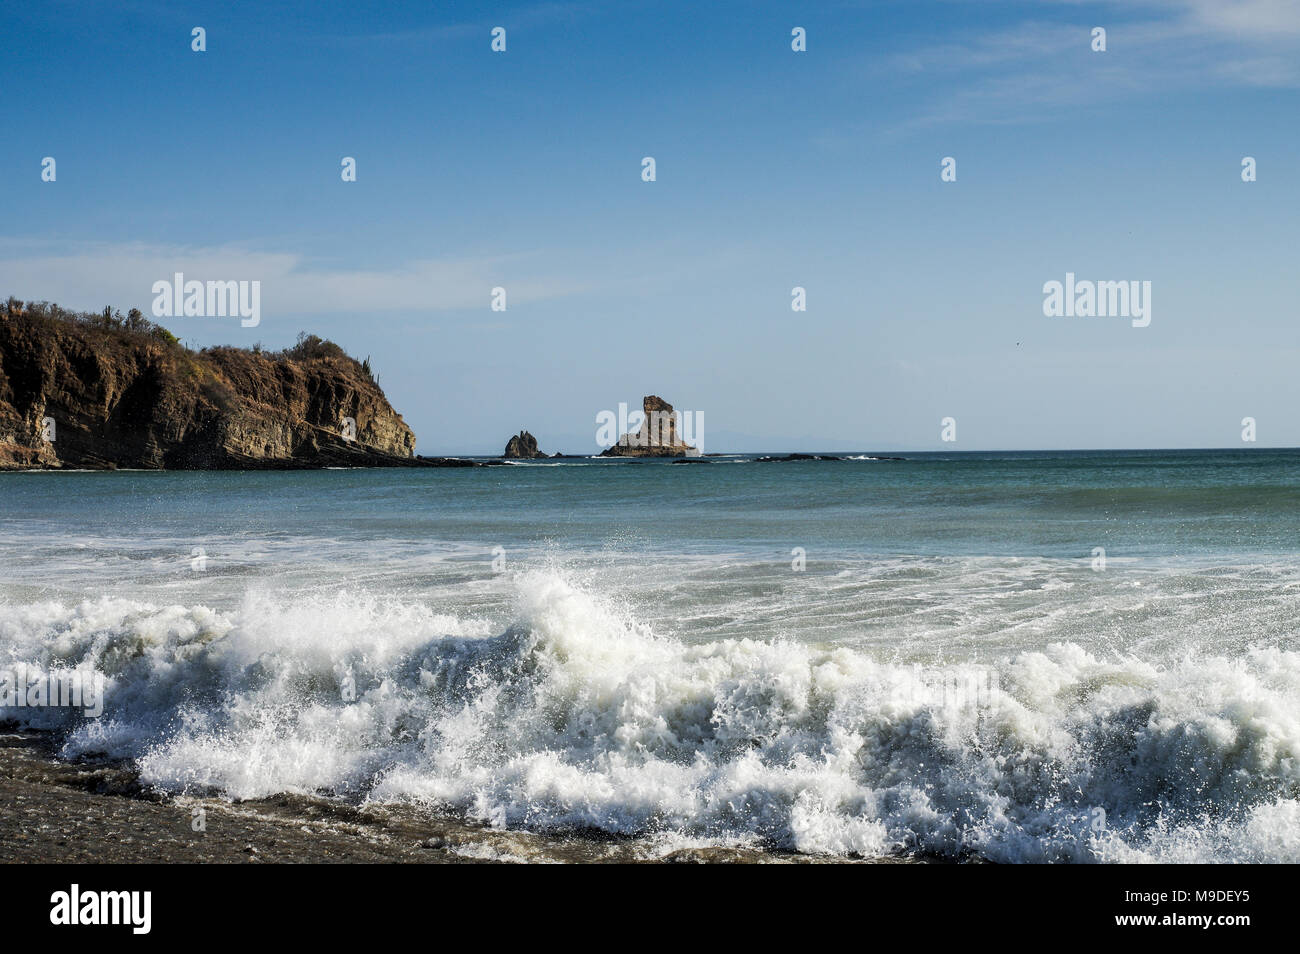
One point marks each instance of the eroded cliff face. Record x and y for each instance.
(78, 396)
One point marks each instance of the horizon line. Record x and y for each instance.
(1003, 450)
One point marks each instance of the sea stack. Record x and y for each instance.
(657, 436)
(522, 446)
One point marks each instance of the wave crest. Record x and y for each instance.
(576, 716)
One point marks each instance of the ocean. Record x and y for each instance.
(1008, 657)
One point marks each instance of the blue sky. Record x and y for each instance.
(775, 169)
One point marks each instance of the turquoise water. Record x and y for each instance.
(851, 657)
(1030, 504)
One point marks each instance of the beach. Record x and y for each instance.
(97, 813)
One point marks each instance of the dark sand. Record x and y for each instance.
(88, 811)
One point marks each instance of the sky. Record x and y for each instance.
(774, 169)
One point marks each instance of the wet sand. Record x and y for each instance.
(92, 811)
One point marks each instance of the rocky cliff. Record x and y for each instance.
(103, 392)
(657, 436)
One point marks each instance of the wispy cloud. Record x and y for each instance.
(1030, 70)
(90, 275)
(1265, 19)
(1260, 19)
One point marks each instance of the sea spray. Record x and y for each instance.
(576, 716)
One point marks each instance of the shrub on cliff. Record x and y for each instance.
(135, 325)
(165, 336)
(131, 326)
(313, 346)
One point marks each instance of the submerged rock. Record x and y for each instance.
(790, 457)
(448, 462)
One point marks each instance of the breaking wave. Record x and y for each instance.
(577, 717)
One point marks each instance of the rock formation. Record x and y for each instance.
(657, 436)
(522, 446)
(79, 392)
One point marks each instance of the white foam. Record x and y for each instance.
(578, 716)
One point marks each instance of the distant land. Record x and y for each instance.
(103, 390)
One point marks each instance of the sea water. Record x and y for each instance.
(1049, 656)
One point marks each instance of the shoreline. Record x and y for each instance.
(97, 812)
